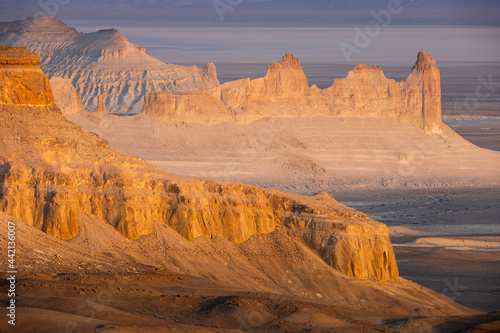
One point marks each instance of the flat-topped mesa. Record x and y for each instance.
(102, 61)
(284, 92)
(58, 174)
(17, 56)
(21, 79)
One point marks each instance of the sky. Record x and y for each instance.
(259, 12)
(261, 31)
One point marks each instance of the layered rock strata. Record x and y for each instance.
(51, 171)
(284, 92)
(103, 61)
(21, 80)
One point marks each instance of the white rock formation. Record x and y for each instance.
(284, 92)
(65, 95)
(103, 61)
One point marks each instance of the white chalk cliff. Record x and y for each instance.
(102, 62)
(278, 132)
(284, 92)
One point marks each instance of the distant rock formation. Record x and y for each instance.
(51, 171)
(284, 92)
(101, 103)
(102, 61)
(67, 99)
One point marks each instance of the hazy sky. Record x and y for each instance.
(261, 31)
(258, 12)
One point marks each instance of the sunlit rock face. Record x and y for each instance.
(51, 171)
(425, 81)
(21, 80)
(102, 62)
(284, 92)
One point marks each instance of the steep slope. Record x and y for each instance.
(101, 281)
(284, 92)
(52, 171)
(21, 80)
(102, 62)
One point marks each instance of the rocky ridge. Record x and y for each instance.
(284, 92)
(102, 62)
(52, 172)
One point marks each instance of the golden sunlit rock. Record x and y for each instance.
(52, 171)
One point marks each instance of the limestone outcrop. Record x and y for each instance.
(51, 171)
(284, 92)
(67, 99)
(102, 61)
(101, 103)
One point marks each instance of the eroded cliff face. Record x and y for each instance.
(21, 80)
(67, 99)
(284, 92)
(51, 171)
(102, 61)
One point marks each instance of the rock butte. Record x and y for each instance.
(284, 92)
(52, 172)
(102, 62)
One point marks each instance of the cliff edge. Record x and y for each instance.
(21, 80)
(52, 173)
